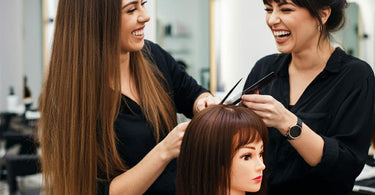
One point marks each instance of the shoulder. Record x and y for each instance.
(265, 65)
(149, 45)
(270, 63)
(355, 68)
(156, 54)
(153, 48)
(272, 58)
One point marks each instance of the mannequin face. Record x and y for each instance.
(133, 19)
(247, 169)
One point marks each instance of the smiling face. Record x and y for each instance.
(293, 27)
(247, 169)
(133, 20)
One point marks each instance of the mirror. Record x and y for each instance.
(21, 49)
(33, 47)
(183, 31)
(349, 36)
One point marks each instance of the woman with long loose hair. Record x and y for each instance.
(109, 103)
(222, 152)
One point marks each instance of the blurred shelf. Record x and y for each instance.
(177, 36)
(178, 51)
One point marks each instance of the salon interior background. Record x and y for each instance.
(239, 37)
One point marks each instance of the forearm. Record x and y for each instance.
(140, 177)
(309, 144)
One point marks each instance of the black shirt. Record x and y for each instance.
(339, 106)
(135, 135)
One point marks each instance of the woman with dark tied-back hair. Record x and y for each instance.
(320, 109)
(108, 107)
(222, 153)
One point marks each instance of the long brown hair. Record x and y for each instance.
(209, 144)
(156, 104)
(81, 98)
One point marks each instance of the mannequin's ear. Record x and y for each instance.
(324, 14)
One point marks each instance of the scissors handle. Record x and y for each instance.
(263, 82)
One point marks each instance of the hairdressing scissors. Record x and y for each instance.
(226, 96)
(253, 88)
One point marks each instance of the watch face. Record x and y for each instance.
(295, 131)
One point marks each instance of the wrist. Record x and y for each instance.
(163, 152)
(294, 131)
(289, 121)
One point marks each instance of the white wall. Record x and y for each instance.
(245, 38)
(11, 51)
(150, 30)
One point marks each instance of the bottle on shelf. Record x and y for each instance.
(11, 101)
(26, 95)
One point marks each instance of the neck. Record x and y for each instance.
(125, 65)
(313, 58)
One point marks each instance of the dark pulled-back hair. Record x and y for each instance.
(209, 145)
(335, 21)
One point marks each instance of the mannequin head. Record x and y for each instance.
(222, 152)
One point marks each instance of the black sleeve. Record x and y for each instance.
(103, 188)
(253, 75)
(184, 88)
(345, 152)
(261, 68)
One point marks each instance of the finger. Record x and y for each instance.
(210, 101)
(183, 126)
(256, 98)
(200, 105)
(255, 106)
(217, 100)
(264, 107)
(261, 114)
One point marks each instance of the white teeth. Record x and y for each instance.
(281, 33)
(138, 33)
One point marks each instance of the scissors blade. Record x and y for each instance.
(226, 96)
(263, 82)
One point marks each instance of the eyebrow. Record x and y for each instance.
(249, 147)
(130, 3)
(286, 3)
(281, 3)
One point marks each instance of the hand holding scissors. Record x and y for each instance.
(263, 82)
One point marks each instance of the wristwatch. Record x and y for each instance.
(294, 131)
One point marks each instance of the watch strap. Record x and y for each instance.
(299, 122)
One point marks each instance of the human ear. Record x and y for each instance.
(324, 14)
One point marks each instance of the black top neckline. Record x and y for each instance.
(333, 63)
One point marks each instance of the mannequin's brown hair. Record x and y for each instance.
(209, 144)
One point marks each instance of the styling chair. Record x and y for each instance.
(22, 165)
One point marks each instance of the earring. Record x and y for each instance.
(320, 28)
